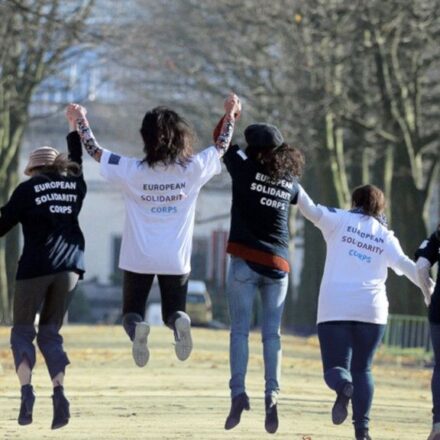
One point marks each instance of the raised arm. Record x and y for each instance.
(232, 113)
(73, 142)
(78, 114)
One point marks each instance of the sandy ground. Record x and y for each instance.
(111, 398)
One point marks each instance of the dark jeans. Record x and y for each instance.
(347, 350)
(136, 288)
(435, 381)
(51, 295)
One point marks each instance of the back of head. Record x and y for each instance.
(49, 160)
(167, 137)
(267, 147)
(370, 199)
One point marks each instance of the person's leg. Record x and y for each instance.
(135, 289)
(366, 340)
(242, 285)
(273, 295)
(29, 295)
(58, 298)
(241, 288)
(50, 342)
(435, 381)
(336, 349)
(335, 340)
(173, 290)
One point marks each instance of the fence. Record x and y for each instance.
(405, 331)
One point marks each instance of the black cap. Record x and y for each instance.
(263, 136)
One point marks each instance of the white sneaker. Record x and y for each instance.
(140, 351)
(182, 336)
(435, 433)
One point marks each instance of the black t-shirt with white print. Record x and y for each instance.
(47, 206)
(259, 231)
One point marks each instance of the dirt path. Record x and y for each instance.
(113, 399)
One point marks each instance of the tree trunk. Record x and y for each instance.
(13, 238)
(9, 245)
(410, 229)
(289, 306)
(4, 293)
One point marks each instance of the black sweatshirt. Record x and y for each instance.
(259, 232)
(47, 206)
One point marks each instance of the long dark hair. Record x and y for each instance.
(61, 165)
(370, 199)
(167, 137)
(283, 162)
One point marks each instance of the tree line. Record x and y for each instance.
(354, 84)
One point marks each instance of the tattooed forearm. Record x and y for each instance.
(88, 139)
(224, 140)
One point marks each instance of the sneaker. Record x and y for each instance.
(435, 433)
(339, 411)
(61, 413)
(238, 404)
(140, 351)
(271, 421)
(362, 434)
(27, 405)
(182, 336)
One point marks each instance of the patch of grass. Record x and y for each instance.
(113, 399)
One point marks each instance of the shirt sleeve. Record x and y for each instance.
(209, 164)
(74, 147)
(12, 213)
(115, 168)
(429, 249)
(330, 219)
(234, 158)
(405, 266)
(394, 254)
(307, 206)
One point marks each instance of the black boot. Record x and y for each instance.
(362, 434)
(61, 412)
(339, 411)
(27, 405)
(238, 404)
(271, 421)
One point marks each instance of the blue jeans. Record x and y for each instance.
(435, 381)
(242, 287)
(347, 351)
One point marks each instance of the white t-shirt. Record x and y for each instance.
(359, 251)
(160, 208)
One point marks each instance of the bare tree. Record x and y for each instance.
(355, 84)
(36, 40)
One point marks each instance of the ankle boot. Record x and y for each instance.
(271, 421)
(27, 405)
(61, 413)
(238, 404)
(362, 434)
(339, 411)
